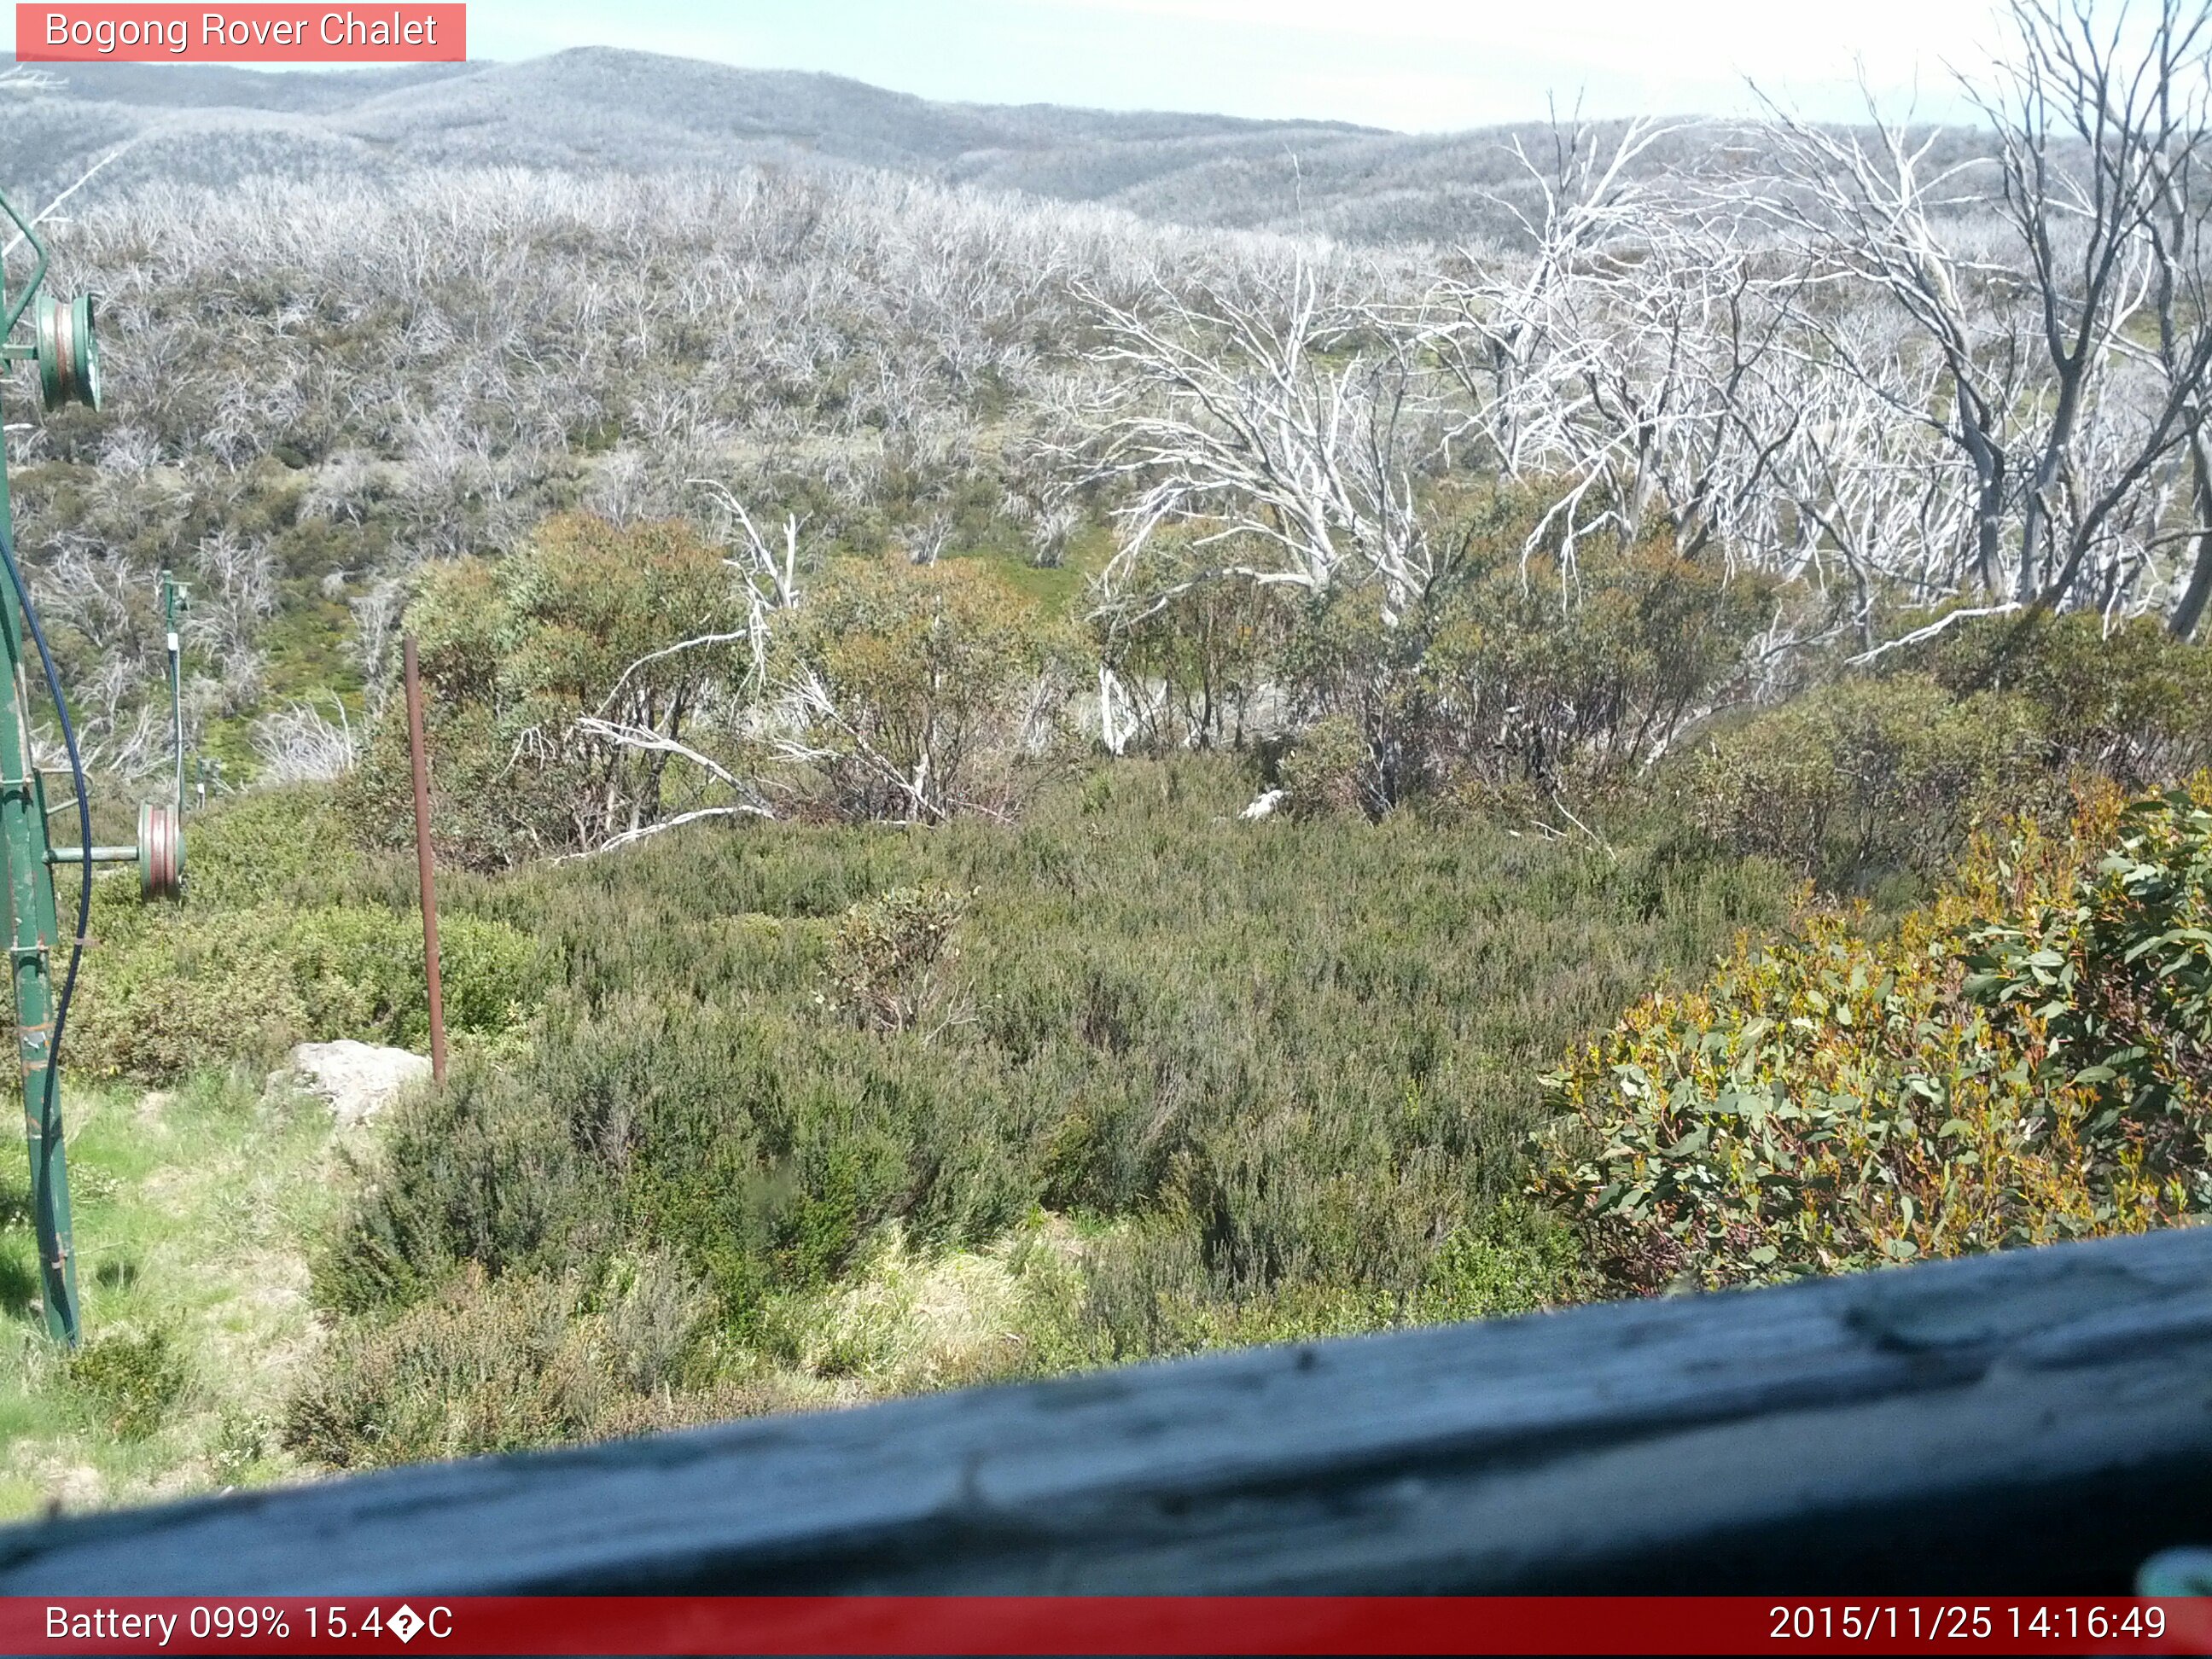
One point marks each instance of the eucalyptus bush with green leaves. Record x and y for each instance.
(2123, 699)
(1515, 672)
(2021, 1061)
(2119, 969)
(917, 692)
(571, 691)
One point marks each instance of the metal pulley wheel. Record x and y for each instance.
(160, 852)
(69, 352)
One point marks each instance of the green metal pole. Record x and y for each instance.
(176, 684)
(32, 934)
(32, 929)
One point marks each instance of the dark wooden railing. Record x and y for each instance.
(2039, 1421)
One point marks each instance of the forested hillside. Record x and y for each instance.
(1026, 784)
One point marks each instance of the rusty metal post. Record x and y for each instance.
(424, 867)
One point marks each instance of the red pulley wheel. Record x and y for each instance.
(160, 852)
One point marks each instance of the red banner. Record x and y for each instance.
(262, 34)
(1101, 1624)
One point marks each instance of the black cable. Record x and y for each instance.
(83, 819)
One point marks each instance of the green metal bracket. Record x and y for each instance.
(33, 930)
(66, 349)
(14, 315)
(172, 597)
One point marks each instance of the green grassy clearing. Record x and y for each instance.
(192, 1211)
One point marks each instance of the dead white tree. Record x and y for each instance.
(300, 744)
(1877, 507)
(2097, 115)
(1664, 393)
(1294, 424)
(25, 81)
(2180, 234)
(1499, 324)
(639, 728)
(637, 739)
(2028, 276)
(1049, 534)
(809, 713)
(47, 212)
(769, 572)
(376, 618)
(927, 542)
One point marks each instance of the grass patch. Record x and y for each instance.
(192, 1211)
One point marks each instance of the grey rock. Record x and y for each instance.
(359, 1079)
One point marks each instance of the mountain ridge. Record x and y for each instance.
(594, 108)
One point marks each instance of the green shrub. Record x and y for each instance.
(359, 973)
(1517, 1259)
(492, 1367)
(2123, 699)
(479, 1173)
(136, 1377)
(294, 844)
(288, 933)
(1868, 775)
(179, 997)
(934, 688)
(764, 1151)
(1993, 717)
(477, 1370)
(1300, 1062)
(1149, 1291)
(890, 957)
(1996, 1071)
(1329, 769)
(206, 987)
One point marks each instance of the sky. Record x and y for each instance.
(1416, 65)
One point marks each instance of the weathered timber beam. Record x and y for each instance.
(2039, 1420)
